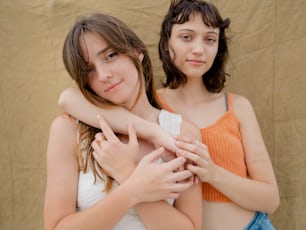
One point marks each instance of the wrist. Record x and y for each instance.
(124, 176)
(215, 175)
(130, 190)
(154, 131)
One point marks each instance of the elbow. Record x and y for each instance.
(62, 100)
(274, 203)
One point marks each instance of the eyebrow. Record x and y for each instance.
(213, 32)
(103, 50)
(190, 30)
(99, 53)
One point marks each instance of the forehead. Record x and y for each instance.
(195, 22)
(91, 43)
(89, 38)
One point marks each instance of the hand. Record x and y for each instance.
(161, 138)
(118, 159)
(153, 180)
(202, 165)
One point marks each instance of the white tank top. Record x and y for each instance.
(89, 193)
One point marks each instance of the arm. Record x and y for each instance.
(73, 102)
(187, 212)
(262, 184)
(62, 181)
(260, 191)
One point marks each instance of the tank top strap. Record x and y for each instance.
(228, 101)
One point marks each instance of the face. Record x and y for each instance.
(113, 76)
(193, 46)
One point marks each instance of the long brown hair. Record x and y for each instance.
(122, 40)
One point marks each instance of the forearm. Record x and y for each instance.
(161, 215)
(250, 194)
(73, 102)
(185, 214)
(103, 215)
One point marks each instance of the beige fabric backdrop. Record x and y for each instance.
(268, 56)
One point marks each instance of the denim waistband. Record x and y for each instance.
(261, 221)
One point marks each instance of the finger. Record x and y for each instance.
(189, 146)
(99, 136)
(195, 158)
(154, 155)
(107, 131)
(181, 175)
(183, 138)
(188, 142)
(176, 163)
(169, 143)
(196, 180)
(197, 148)
(132, 134)
(181, 187)
(96, 145)
(195, 170)
(97, 157)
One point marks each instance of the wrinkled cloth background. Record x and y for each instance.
(267, 65)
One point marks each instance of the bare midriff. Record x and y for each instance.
(224, 215)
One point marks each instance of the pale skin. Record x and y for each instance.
(113, 115)
(144, 183)
(193, 47)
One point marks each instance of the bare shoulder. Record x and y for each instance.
(241, 104)
(64, 121)
(243, 109)
(63, 132)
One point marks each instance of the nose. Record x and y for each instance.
(198, 46)
(103, 73)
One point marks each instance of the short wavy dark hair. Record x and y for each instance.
(179, 13)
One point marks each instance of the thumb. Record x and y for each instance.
(154, 155)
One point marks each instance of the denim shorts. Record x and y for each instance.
(261, 221)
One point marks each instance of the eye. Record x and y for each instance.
(111, 55)
(211, 40)
(186, 37)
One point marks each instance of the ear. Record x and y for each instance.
(140, 55)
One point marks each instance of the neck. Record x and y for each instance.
(144, 109)
(194, 89)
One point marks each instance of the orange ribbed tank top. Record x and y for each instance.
(224, 143)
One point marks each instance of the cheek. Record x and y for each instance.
(94, 85)
(214, 54)
(171, 54)
(171, 49)
(176, 54)
(91, 83)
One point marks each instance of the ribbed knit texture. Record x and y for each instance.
(224, 143)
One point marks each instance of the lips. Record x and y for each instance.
(195, 62)
(113, 87)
